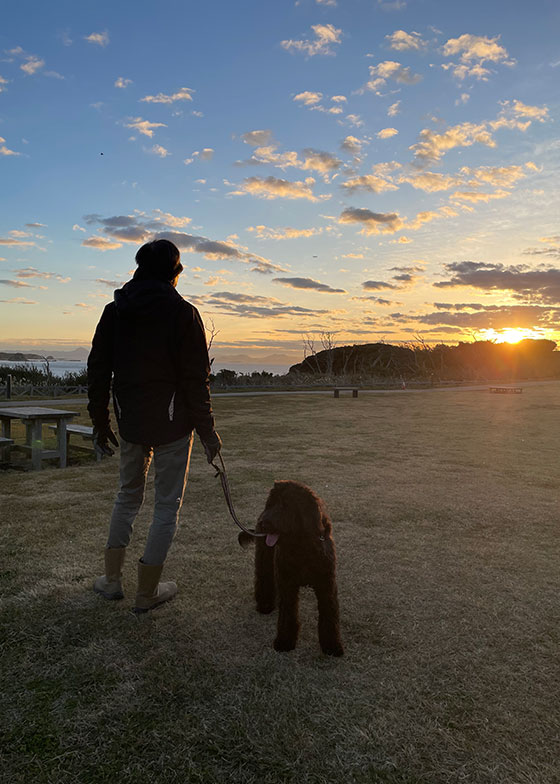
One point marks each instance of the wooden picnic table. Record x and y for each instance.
(34, 417)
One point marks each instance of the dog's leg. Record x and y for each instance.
(329, 631)
(264, 577)
(288, 621)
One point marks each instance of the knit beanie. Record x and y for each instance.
(159, 260)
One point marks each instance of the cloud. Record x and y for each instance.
(519, 116)
(401, 41)
(16, 284)
(474, 51)
(157, 149)
(31, 272)
(308, 98)
(325, 36)
(257, 138)
(142, 228)
(381, 73)
(476, 196)
(101, 243)
(274, 188)
(123, 83)
(308, 283)
(2, 83)
(433, 146)
(183, 94)
(373, 222)
(112, 284)
(77, 227)
(376, 285)
(430, 182)
(253, 306)
(393, 109)
(32, 65)
(353, 119)
(36, 225)
(386, 133)
(268, 155)
(368, 182)
(489, 317)
(352, 144)
(12, 241)
(286, 233)
(391, 5)
(101, 39)
(317, 160)
(331, 3)
(6, 150)
(144, 126)
(18, 301)
(541, 284)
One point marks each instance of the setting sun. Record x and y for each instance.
(513, 334)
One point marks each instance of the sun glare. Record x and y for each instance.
(512, 334)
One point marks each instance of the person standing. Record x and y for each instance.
(151, 346)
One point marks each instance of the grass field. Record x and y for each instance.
(445, 514)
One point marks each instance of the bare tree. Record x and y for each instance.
(328, 344)
(211, 333)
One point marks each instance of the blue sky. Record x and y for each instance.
(374, 169)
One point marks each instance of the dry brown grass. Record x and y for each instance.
(445, 514)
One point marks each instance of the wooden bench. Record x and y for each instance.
(353, 390)
(85, 431)
(506, 390)
(5, 444)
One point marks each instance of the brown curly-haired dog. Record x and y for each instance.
(298, 550)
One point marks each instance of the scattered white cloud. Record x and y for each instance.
(77, 227)
(160, 151)
(372, 222)
(286, 233)
(101, 243)
(18, 301)
(391, 5)
(352, 144)
(257, 138)
(401, 41)
(325, 36)
(386, 133)
(308, 98)
(389, 69)
(143, 126)
(274, 188)
(368, 182)
(32, 65)
(308, 284)
(3, 82)
(183, 94)
(6, 150)
(474, 51)
(393, 109)
(100, 39)
(122, 82)
(433, 146)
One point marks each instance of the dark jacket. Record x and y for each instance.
(151, 342)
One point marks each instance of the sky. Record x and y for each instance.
(361, 170)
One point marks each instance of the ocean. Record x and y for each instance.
(61, 366)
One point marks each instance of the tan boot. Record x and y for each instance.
(151, 593)
(109, 585)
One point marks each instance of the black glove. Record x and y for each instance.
(101, 437)
(212, 445)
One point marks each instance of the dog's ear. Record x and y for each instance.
(311, 512)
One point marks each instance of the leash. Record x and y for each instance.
(221, 472)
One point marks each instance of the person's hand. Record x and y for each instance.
(101, 437)
(212, 445)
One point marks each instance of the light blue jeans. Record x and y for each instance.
(171, 463)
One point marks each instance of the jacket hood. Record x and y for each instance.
(144, 298)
